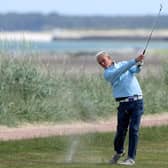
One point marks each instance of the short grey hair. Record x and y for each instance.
(100, 53)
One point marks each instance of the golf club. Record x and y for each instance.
(153, 27)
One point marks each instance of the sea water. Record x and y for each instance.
(79, 45)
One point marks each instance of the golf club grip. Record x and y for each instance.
(144, 52)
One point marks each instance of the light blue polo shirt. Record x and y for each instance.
(122, 78)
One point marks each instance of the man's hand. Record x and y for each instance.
(140, 58)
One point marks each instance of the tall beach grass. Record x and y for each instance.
(34, 91)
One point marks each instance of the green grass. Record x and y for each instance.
(92, 150)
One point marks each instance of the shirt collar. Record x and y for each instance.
(112, 65)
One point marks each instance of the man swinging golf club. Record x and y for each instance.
(126, 91)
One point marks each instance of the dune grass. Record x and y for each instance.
(30, 93)
(92, 150)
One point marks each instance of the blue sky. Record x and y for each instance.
(85, 7)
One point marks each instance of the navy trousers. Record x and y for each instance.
(129, 117)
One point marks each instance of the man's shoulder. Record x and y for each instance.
(122, 62)
(115, 66)
(119, 64)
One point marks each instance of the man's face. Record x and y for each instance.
(105, 61)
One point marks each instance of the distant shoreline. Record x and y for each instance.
(64, 34)
(114, 34)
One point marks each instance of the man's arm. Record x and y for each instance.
(113, 75)
(135, 69)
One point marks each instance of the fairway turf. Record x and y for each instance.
(91, 151)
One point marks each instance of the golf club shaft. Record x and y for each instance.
(153, 27)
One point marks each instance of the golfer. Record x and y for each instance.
(127, 92)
